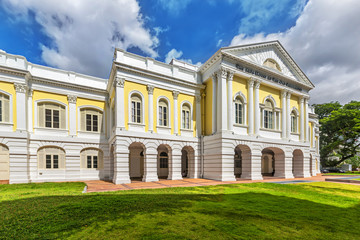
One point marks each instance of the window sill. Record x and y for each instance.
(296, 134)
(138, 127)
(163, 129)
(240, 125)
(187, 132)
(270, 130)
(90, 134)
(6, 126)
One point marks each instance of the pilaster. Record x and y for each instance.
(222, 101)
(230, 101)
(251, 106)
(214, 104)
(150, 107)
(119, 102)
(198, 115)
(121, 164)
(175, 165)
(302, 114)
(150, 166)
(288, 116)
(283, 114)
(30, 110)
(257, 109)
(307, 133)
(176, 121)
(21, 90)
(72, 114)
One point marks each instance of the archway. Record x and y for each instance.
(4, 163)
(242, 161)
(298, 163)
(136, 161)
(164, 157)
(187, 162)
(273, 162)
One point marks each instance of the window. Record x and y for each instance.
(91, 120)
(185, 117)
(163, 113)
(4, 108)
(238, 111)
(51, 158)
(91, 158)
(294, 127)
(136, 105)
(268, 115)
(51, 115)
(271, 63)
(163, 160)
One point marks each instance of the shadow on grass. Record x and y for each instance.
(242, 215)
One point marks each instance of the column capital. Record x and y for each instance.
(222, 72)
(301, 98)
(251, 82)
(288, 96)
(30, 92)
(230, 76)
(119, 82)
(198, 98)
(257, 84)
(20, 87)
(150, 89)
(214, 76)
(175, 94)
(284, 93)
(72, 98)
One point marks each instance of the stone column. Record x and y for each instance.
(302, 114)
(150, 166)
(121, 164)
(214, 104)
(283, 166)
(198, 115)
(257, 108)
(230, 101)
(288, 116)
(307, 133)
(30, 111)
(72, 114)
(175, 165)
(251, 165)
(119, 103)
(150, 107)
(251, 106)
(20, 106)
(283, 114)
(222, 101)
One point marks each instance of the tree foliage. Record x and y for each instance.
(339, 131)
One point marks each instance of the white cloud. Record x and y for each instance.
(325, 43)
(174, 6)
(218, 44)
(175, 54)
(84, 34)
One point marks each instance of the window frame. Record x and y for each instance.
(163, 164)
(10, 107)
(101, 119)
(272, 114)
(91, 153)
(142, 107)
(191, 123)
(51, 101)
(56, 154)
(294, 116)
(167, 101)
(240, 96)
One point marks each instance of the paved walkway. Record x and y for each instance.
(103, 186)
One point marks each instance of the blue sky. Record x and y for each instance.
(321, 35)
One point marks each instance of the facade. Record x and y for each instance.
(243, 114)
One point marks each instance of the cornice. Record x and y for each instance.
(147, 73)
(13, 71)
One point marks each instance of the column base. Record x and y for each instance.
(251, 176)
(283, 175)
(121, 180)
(150, 178)
(175, 177)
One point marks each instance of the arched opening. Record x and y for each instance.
(187, 162)
(4, 163)
(136, 161)
(298, 163)
(164, 157)
(273, 162)
(242, 161)
(51, 157)
(92, 158)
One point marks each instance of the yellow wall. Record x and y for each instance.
(208, 107)
(160, 92)
(38, 95)
(130, 86)
(265, 91)
(83, 101)
(240, 84)
(9, 88)
(191, 99)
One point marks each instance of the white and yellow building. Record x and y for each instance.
(242, 114)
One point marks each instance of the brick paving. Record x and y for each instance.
(103, 186)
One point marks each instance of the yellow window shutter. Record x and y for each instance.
(62, 118)
(83, 119)
(41, 115)
(6, 113)
(62, 162)
(41, 159)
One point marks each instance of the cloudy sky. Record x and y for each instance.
(323, 36)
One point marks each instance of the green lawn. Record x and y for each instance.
(321, 210)
(347, 173)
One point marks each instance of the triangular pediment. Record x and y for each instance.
(271, 56)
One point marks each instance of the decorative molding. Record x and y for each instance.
(284, 93)
(269, 97)
(72, 99)
(241, 95)
(150, 89)
(251, 82)
(198, 98)
(288, 96)
(30, 92)
(175, 94)
(231, 75)
(257, 84)
(20, 88)
(119, 82)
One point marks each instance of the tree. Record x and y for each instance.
(339, 131)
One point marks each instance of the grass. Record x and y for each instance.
(347, 173)
(320, 210)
